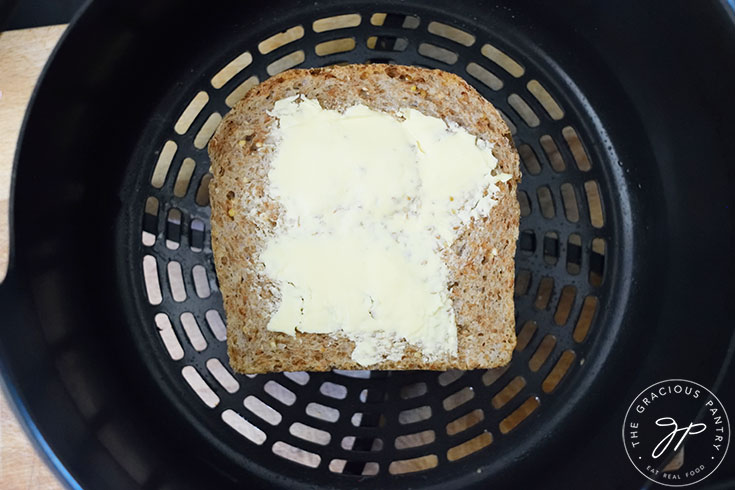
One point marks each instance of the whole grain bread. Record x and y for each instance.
(481, 260)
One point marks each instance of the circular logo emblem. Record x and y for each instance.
(676, 432)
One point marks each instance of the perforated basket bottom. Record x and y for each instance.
(340, 425)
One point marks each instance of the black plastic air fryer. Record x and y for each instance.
(112, 338)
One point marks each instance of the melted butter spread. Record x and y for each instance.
(370, 201)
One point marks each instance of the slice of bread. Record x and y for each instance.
(244, 217)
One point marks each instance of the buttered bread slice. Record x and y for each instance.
(365, 216)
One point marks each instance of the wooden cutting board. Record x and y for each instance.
(22, 56)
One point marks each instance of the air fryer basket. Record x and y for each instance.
(113, 343)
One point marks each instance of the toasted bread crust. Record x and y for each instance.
(481, 282)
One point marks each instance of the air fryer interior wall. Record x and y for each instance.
(113, 345)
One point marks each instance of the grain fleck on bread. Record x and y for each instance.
(480, 262)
